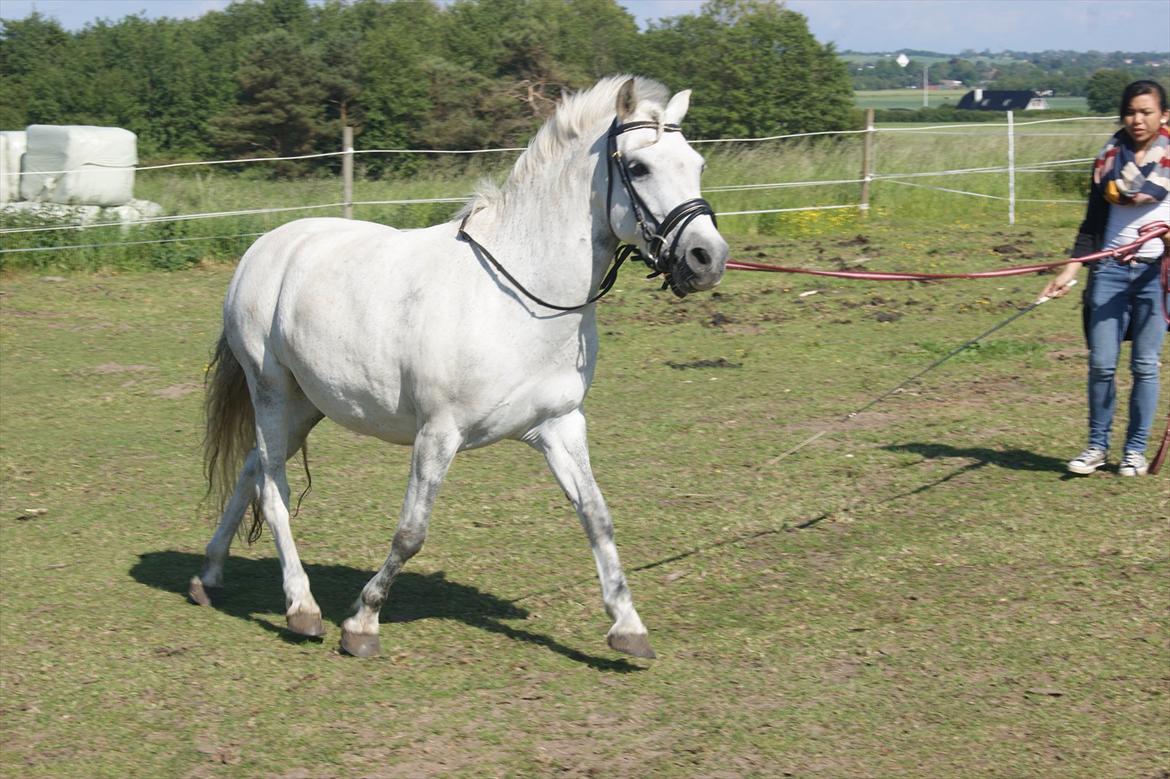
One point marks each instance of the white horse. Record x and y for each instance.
(444, 338)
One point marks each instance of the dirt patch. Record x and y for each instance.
(113, 367)
(866, 420)
(719, 319)
(177, 391)
(1067, 354)
(722, 362)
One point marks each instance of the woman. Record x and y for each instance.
(1131, 179)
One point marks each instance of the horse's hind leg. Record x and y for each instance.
(282, 419)
(431, 457)
(564, 444)
(207, 587)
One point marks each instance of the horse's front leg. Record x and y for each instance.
(564, 444)
(434, 449)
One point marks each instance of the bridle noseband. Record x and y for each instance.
(654, 233)
(678, 275)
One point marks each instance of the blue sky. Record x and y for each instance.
(948, 26)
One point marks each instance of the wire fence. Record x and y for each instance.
(869, 173)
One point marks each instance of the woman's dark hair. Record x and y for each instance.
(1142, 87)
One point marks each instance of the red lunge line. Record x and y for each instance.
(1147, 233)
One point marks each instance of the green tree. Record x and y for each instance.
(1104, 89)
(530, 52)
(280, 109)
(1022, 76)
(959, 70)
(185, 89)
(146, 76)
(592, 38)
(395, 95)
(32, 87)
(337, 34)
(755, 68)
(503, 53)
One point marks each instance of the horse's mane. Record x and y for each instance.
(578, 113)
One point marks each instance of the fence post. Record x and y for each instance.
(1011, 169)
(867, 161)
(347, 172)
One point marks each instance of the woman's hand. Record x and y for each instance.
(1059, 285)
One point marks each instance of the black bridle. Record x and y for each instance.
(678, 275)
(654, 233)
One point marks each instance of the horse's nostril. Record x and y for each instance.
(701, 256)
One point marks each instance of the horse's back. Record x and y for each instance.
(304, 241)
(324, 263)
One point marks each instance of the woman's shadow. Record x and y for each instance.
(253, 588)
(1011, 459)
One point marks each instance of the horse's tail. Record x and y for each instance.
(231, 428)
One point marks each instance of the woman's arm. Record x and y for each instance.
(1091, 233)
(1090, 237)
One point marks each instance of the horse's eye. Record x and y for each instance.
(638, 170)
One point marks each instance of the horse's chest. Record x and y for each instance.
(505, 395)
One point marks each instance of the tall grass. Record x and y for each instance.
(786, 173)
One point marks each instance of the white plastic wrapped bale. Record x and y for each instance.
(12, 146)
(79, 165)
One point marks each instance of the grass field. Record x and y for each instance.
(921, 592)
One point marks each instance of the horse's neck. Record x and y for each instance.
(553, 231)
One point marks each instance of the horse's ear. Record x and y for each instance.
(676, 109)
(625, 100)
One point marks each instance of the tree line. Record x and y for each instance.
(280, 77)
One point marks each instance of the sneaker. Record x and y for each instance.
(1088, 461)
(1134, 464)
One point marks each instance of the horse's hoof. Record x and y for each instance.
(306, 624)
(360, 644)
(636, 644)
(201, 594)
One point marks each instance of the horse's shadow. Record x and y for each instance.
(253, 593)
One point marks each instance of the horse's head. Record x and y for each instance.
(653, 199)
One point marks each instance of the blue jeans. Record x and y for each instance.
(1121, 295)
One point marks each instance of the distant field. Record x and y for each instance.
(863, 58)
(912, 98)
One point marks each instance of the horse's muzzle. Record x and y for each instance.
(700, 268)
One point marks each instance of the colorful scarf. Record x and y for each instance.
(1117, 176)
